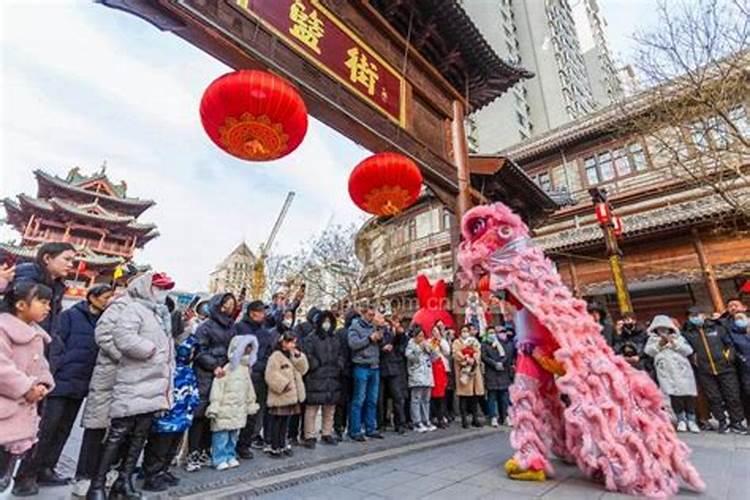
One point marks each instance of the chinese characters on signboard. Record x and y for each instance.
(313, 31)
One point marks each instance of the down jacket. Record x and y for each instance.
(143, 380)
(96, 410)
(497, 357)
(326, 362)
(419, 364)
(212, 338)
(22, 366)
(74, 355)
(284, 378)
(184, 392)
(232, 396)
(673, 368)
(473, 385)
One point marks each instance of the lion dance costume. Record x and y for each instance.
(571, 395)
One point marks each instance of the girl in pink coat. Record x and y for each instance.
(25, 377)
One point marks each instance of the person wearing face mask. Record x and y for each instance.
(212, 345)
(143, 381)
(740, 334)
(467, 355)
(323, 379)
(670, 352)
(631, 342)
(74, 357)
(498, 355)
(255, 434)
(714, 367)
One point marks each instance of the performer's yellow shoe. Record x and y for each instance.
(514, 471)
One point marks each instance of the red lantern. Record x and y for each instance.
(385, 184)
(81, 267)
(617, 227)
(254, 115)
(603, 213)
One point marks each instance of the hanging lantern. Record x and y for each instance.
(81, 267)
(603, 213)
(254, 115)
(385, 184)
(617, 227)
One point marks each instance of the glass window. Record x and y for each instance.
(738, 116)
(592, 175)
(719, 132)
(424, 224)
(544, 181)
(622, 164)
(699, 136)
(413, 229)
(637, 157)
(446, 221)
(606, 170)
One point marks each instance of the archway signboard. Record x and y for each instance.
(392, 75)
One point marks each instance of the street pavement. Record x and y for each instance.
(452, 464)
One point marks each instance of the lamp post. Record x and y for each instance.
(611, 226)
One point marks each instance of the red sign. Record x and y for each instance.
(313, 31)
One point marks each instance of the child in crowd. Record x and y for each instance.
(419, 356)
(670, 351)
(232, 400)
(25, 377)
(286, 390)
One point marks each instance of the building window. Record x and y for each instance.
(413, 229)
(445, 222)
(622, 163)
(637, 157)
(606, 171)
(738, 116)
(543, 180)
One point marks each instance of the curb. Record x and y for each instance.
(278, 478)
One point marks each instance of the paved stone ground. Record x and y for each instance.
(449, 464)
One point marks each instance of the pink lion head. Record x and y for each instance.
(432, 305)
(485, 229)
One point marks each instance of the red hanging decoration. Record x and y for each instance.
(81, 267)
(254, 115)
(603, 213)
(385, 184)
(617, 227)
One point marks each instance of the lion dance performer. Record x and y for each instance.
(571, 395)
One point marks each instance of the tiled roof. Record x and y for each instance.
(677, 215)
(43, 177)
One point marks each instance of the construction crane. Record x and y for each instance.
(259, 269)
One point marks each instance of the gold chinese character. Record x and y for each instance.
(361, 70)
(307, 28)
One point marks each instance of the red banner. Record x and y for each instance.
(317, 34)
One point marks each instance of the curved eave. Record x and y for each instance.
(49, 182)
(74, 211)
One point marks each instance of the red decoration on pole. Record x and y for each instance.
(603, 213)
(385, 184)
(617, 226)
(254, 115)
(81, 267)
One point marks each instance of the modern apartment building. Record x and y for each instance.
(563, 43)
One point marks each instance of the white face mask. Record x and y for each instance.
(287, 323)
(160, 296)
(326, 326)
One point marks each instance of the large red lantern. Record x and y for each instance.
(385, 184)
(603, 213)
(254, 115)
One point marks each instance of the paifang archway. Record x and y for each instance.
(389, 74)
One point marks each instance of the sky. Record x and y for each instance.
(81, 84)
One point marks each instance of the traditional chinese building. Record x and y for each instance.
(682, 242)
(91, 212)
(235, 273)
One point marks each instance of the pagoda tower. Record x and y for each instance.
(91, 212)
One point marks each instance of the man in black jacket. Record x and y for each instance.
(631, 342)
(341, 417)
(254, 323)
(713, 359)
(393, 376)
